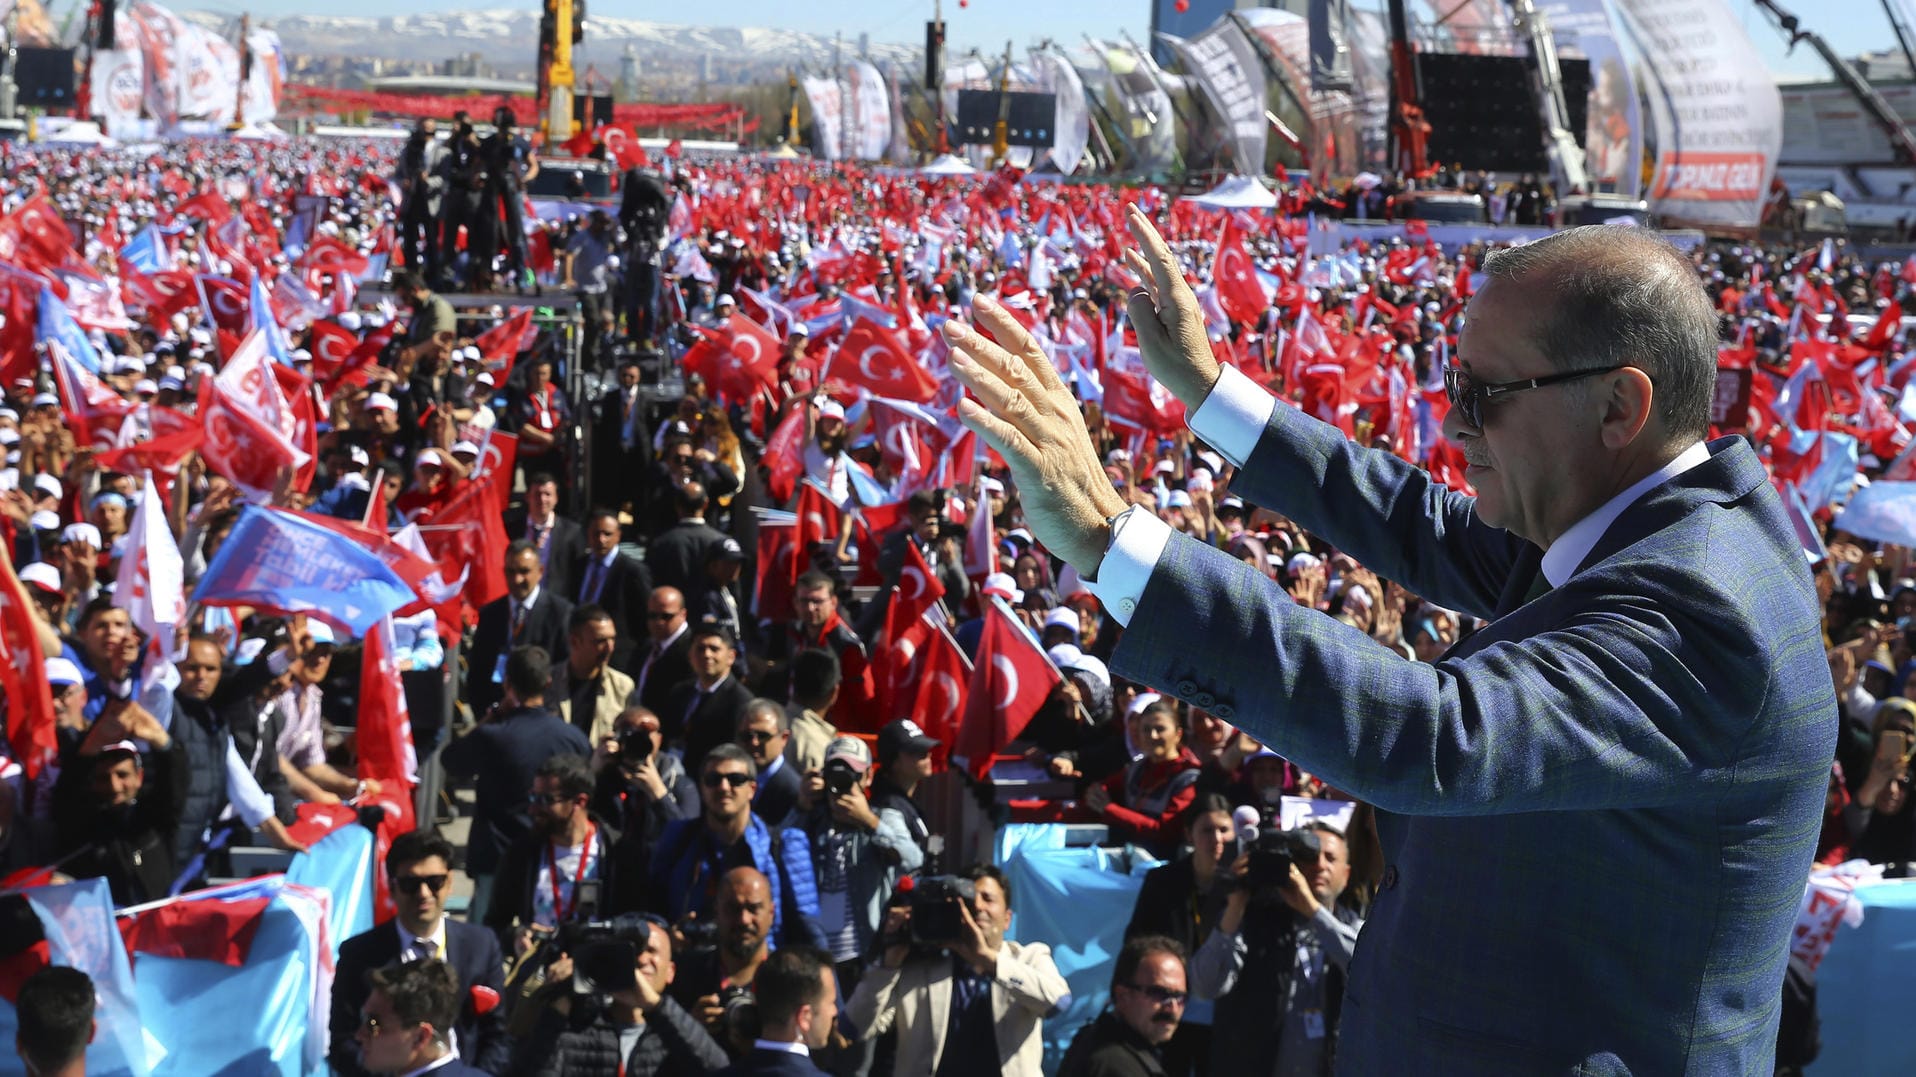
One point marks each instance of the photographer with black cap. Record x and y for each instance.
(613, 1018)
(640, 787)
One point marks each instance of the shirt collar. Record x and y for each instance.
(788, 1046)
(408, 940)
(1560, 561)
(531, 598)
(441, 1062)
(684, 626)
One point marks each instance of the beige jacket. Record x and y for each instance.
(614, 688)
(811, 735)
(916, 1000)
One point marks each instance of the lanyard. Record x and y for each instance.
(560, 912)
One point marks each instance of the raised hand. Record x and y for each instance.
(1025, 412)
(1170, 327)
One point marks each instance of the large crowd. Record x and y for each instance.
(700, 755)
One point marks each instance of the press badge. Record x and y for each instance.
(499, 670)
(1314, 1024)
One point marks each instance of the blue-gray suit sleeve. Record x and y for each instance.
(1388, 514)
(1614, 706)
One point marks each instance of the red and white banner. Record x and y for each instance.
(118, 89)
(1714, 106)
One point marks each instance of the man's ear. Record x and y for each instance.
(93, 1029)
(1627, 403)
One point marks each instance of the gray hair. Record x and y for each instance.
(1624, 297)
(762, 707)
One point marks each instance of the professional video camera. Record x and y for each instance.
(604, 953)
(935, 919)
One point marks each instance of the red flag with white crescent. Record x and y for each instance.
(1009, 682)
(383, 741)
(875, 358)
(23, 678)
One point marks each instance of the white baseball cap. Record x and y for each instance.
(63, 671)
(44, 483)
(1063, 617)
(1002, 585)
(381, 402)
(41, 575)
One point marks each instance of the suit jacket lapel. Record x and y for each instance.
(937, 1007)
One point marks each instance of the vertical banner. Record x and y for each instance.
(828, 117)
(1330, 55)
(118, 89)
(207, 67)
(264, 79)
(870, 112)
(1227, 70)
(1370, 86)
(1717, 115)
(1071, 131)
(1331, 130)
(1613, 143)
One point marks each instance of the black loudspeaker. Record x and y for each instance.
(1482, 114)
(103, 38)
(598, 106)
(1028, 117)
(934, 56)
(46, 77)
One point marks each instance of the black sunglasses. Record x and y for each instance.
(732, 777)
(758, 736)
(1469, 395)
(1163, 996)
(410, 884)
(549, 798)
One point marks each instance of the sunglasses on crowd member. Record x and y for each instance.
(1162, 996)
(758, 736)
(410, 884)
(551, 799)
(1469, 395)
(732, 778)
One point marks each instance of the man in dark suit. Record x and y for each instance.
(503, 754)
(666, 662)
(677, 556)
(557, 540)
(764, 731)
(419, 863)
(405, 1024)
(621, 445)
(532, 614)
(614, 581)
(704, 710)
(679, 464)
(797, 1004)
(1653, 663)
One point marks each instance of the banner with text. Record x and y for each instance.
(1226, 67)
(827, 99)
(1717, 116)
(871, 112)
(1613, 144)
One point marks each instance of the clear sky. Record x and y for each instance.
(1850, 25)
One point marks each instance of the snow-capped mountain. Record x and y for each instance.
(507, 36)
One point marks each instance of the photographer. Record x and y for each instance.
(722, 958)
(1281, 949)
(995, 994)
(624, 1025)
(640, 788)
(560, 870)
(859, 851)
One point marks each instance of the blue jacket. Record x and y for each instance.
(1596, 813)
(685, 870)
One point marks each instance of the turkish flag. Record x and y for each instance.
(1010, 681)
(1885, 329)
(250, 426)
(918, 589)
(623, 148)
(19, 301)
(469, 531)
(23, 678)
(205, 929)
(1135, 399)
(1238, 288)
(502, 344)
(42, 231)
(328, 255)
(937, 678)
(93, 411)
(748, 362)
(175, 433)
(162, 294)
(819, 521)
(226, 303)
(383, 741)
(784, 453)
(876, 358)
(208, 205)
(772, 596)
(332, 344)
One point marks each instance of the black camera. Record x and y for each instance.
(699, 936)
(935, 916)
(635, 745)
(1274, 851)
(839, 776)
(605, 953)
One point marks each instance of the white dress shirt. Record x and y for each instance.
(1232, 419)
(411, 946)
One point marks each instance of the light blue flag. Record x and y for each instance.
(263, 321)
(147, 252)
(56, 323)
(1832, 480)
(277, 560)
(1884, 511)
(78, 920)
(341, 863)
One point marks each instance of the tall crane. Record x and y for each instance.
(1886, 118)
(1546, 86)
(1409, 131)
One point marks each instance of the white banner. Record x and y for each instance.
(1226, 68)
(207, 67)
(263, 81)
(827, 99)
(1717, 117)
(1071, 131)
(1332, 138)
(870, 112)
(118, 89)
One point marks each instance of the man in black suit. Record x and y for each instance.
(621, 445)
(719, 597)
(677, 557)
(419, 865)
(557, 540)
(797, 1003)
(764, 731)
(703, 712)
(617, 583)
(666, 662)
(532, 614)
(678, 464)
(405, 1025)
(503, 754)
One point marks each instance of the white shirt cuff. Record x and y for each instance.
(253, 804)
(1137, 541)
(1232, 418)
